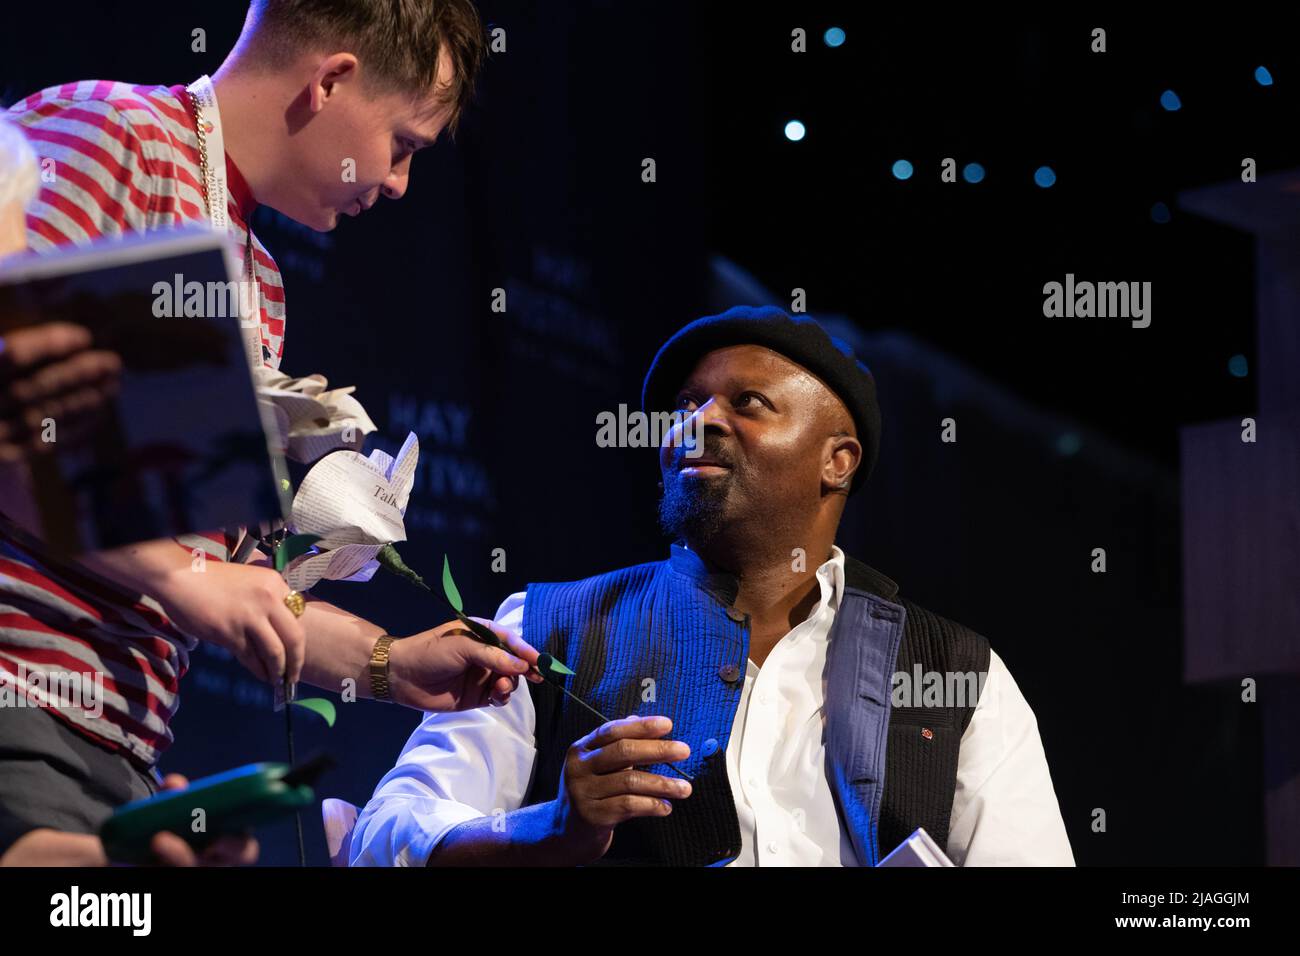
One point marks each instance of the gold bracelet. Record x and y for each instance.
(379, 688)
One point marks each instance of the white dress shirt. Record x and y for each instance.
(462, 766)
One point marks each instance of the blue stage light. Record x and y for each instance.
(1238, 367)
(902, 169)
(1045, 176)
(794, 131)
(1160, 213)
(972, 173)
(1263, 77)
(834, 37)
(1170, 101)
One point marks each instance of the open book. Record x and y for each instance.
(183, 446)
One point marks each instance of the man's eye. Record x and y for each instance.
(744, 399)
(684, 403)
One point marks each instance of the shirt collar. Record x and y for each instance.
(236, 184)
(830, 577)
(725, 586)
(239, 191)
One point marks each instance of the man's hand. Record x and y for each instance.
(171, 850)
(601, 787)
(445, 669)
(239, 607)
(51, 371)
(45, 847)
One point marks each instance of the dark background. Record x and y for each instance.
(1067, 430)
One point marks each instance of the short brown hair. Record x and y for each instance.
(398, 40)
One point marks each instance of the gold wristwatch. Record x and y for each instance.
(379, 688)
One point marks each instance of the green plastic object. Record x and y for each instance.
(232, 803)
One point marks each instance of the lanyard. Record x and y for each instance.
(207, 123)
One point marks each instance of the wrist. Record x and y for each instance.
(380, 669)
(571, 842)
(170, 587)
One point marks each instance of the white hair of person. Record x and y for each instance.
(19, 173)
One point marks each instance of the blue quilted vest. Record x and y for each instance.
(664, 638)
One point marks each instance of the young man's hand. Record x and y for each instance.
(444, 669)
(239, 607)
(46, 847)
(171, 850)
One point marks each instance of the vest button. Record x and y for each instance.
(710, 747)
(729, 672)
(736, 615)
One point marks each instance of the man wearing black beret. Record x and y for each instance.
(789, 706)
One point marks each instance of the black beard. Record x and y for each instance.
(693, 508)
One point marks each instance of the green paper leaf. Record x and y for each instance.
(449, 586)
(549, 664)
(321, 706)
(292, 546)
(297, 544)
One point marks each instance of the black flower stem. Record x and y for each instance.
(486, 636)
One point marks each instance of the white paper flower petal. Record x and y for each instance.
(321, 419)
(366, 573)
(346, 410)
(344, 497)
(341, 537)
(306, 445)
(303, 410)
(382, 460)
(304, 571)
(340, 564)
(403, 473)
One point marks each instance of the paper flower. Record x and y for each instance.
(309, 418)
(355, 505)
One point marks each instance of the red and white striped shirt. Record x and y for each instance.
(115, 158)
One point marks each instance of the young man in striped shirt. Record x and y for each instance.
(316, 113)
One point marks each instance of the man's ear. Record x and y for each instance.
(844, 455)
(330, 72)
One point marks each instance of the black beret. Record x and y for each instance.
(798, 338)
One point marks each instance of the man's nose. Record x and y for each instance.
(711, 416)
(395, 185)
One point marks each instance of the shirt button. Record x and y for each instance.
(710, 747)
(729, 672)
(772, 847)
(764, 699)
(736, 615)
